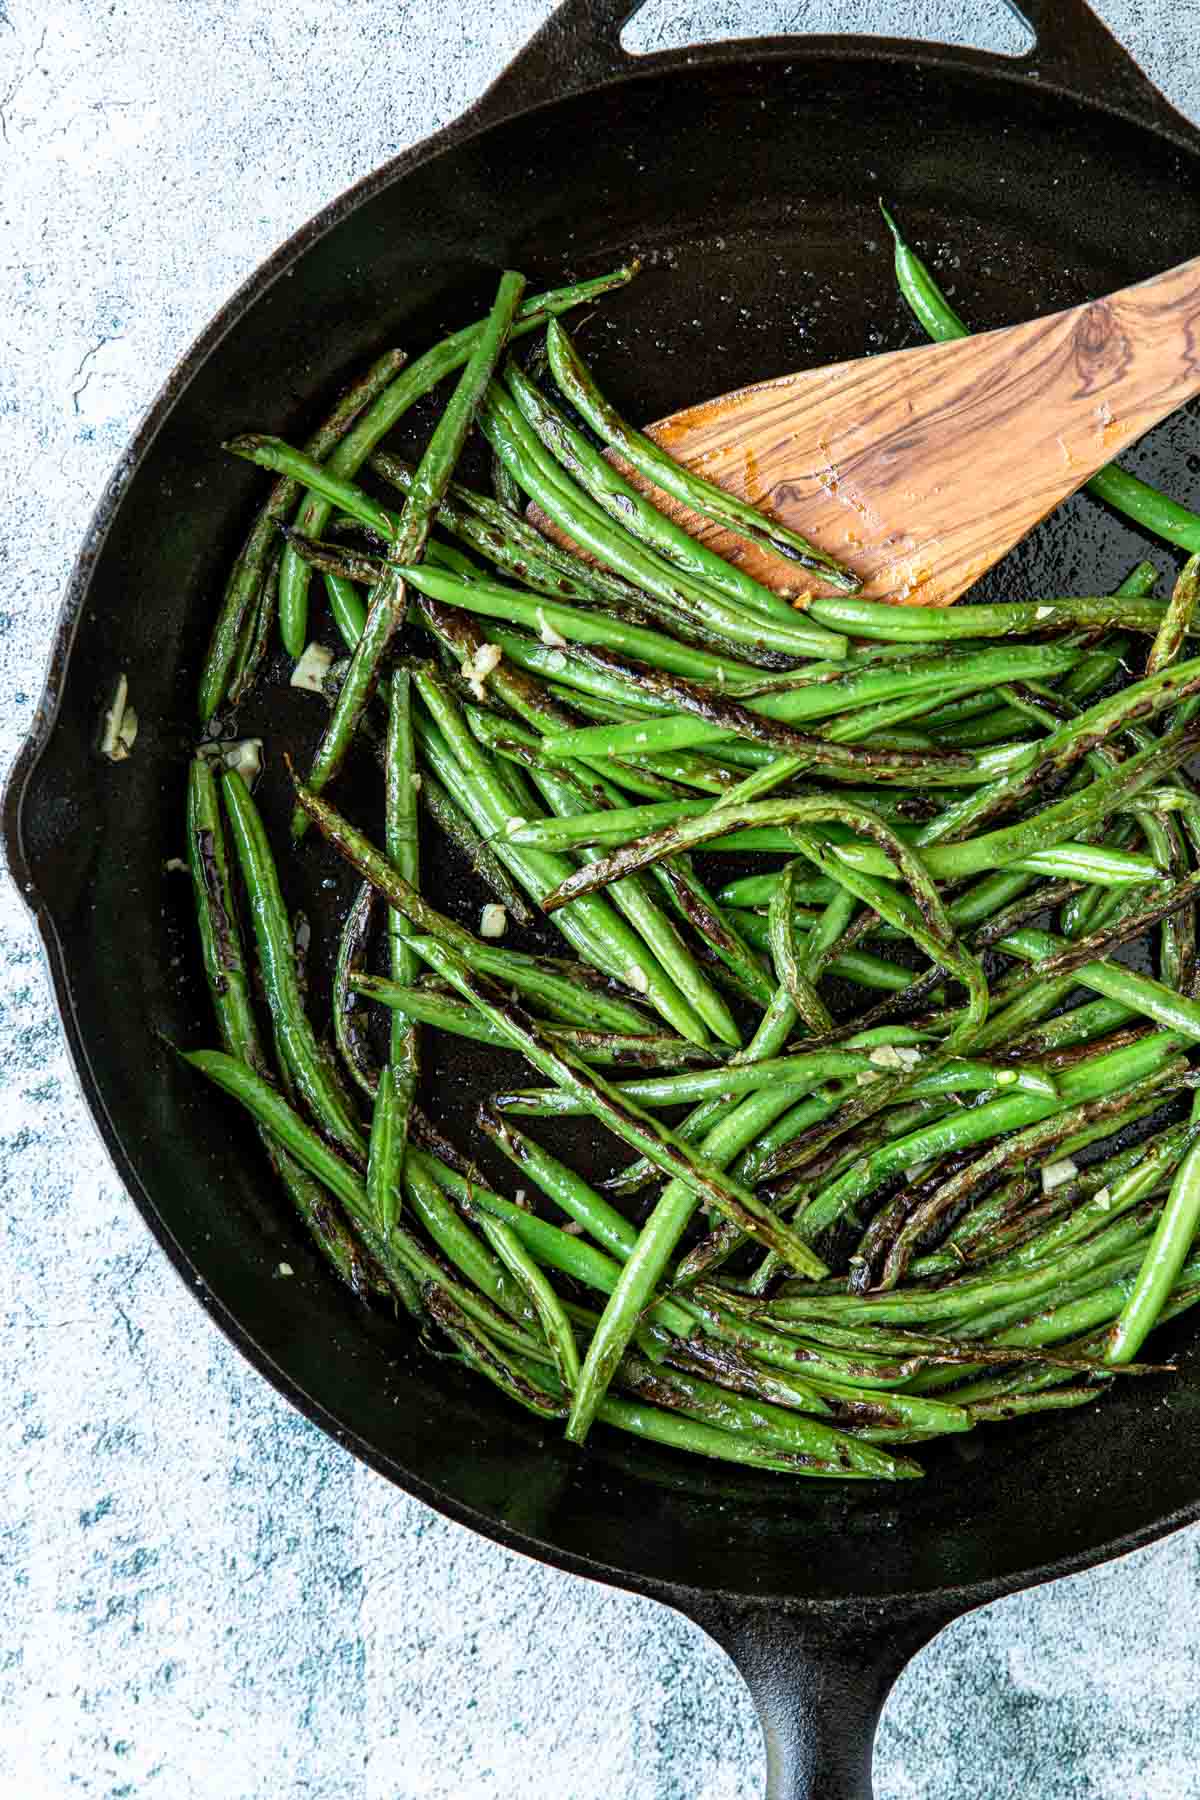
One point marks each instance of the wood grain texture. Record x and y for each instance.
(920, 469)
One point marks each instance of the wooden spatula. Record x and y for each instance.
(920, 469)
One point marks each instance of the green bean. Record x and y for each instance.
(737, 1128)
(599, 1047)
(272, 931)
(515, 547)
(636, 900)
(1043, 833)
(402, 849)
(966, 1304)
(378, 420)
(606, 1104)
(228, 986)
(488, 1360)
(789, 972)
(650, 460)
(928, 624)
(601, 936)
(385, 1158)
(858, 966)
(386, 608)
(1066, 746)
(254, 638)
(796, 1073)
(630, 508)
(1177, 622)
(574, 624)
(873, 756)
(1168, 1251)
(1141, 993)
(1120, 490)
(856, 687)
(249, 571)
(462, 1248)
(1144, 1167)
(743, 968)
(610, 1228)
(749, 1419)
(400, 1254)
(449, 817)
(991, 1118)
(556, 1327)
(588, 526)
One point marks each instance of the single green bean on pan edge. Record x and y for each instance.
(273, 936)
(378, 420)
(228, 986)
(250, 567)
(649, 459)
(386, 608)
(1122, 491)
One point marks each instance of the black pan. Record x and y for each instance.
(747, 175)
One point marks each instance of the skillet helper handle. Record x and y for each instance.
(579, 47)
(819, 1681)
(1076, 51)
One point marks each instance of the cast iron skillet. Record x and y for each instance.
(747, 175)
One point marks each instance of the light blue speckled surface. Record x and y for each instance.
(202, 1597)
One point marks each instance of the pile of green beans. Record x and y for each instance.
(887, 1036)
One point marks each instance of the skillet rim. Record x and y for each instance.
(503, 102)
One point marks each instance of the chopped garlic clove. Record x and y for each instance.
(477, 667)
(493, 921)
(554, 640)
(311, 670)
(895, 1056)
(1056, 1173)
(119, 728)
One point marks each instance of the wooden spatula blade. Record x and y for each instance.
(921, 468)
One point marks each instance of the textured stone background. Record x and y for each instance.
(203, 1598)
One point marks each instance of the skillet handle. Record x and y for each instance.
(819, 1682)
(1076, 51)
(579, 47)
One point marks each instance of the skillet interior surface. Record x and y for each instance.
(750, 192)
